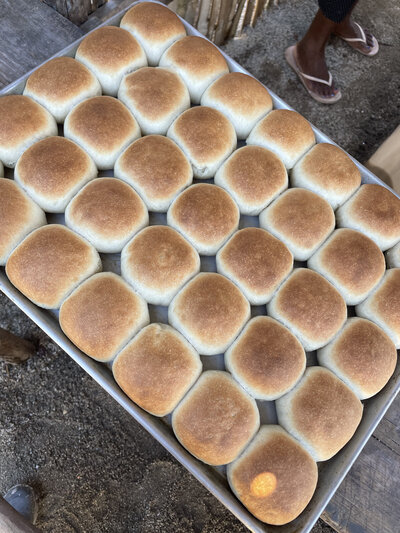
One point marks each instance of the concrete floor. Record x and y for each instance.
(95, 469)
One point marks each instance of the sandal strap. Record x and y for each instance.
(318, 80)
(361, 39)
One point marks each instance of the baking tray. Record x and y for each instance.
(331, 473)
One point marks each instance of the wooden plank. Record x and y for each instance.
(30, 33)
(368, 499)
(77, 11)
(385, 162)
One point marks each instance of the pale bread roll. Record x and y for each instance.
(156, 168)
(266, 359)
(60, 84)
(155, 27)
(155, 96)
(242, 98)
(103, 127)
(210, 311)
(284, 132)
(216, 419)
(157, 262)
(49, 264)
(52, 171)
(22, 123)
(275, 477)
(157, 368)
(361, 355)
(256, 262)
(107, 212)
(102, 315)
(110, 53)
(328, 171)
(19, 215)
(197, 61)
(254, 176)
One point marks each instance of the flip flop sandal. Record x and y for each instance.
(290, 58)
(363, 39)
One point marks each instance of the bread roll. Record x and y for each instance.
(361, 355)
(156, 168)
(49, 263)
(107, 212)
(383, 305)
(140, 91)
(157, 368)
(321, 412)
(157, 262)
(327, 171)
(19, 215)
(52, 171)
(155, 27)
(22, 123)
(197, 61)
(102, 315)
(254, 177)
(206, 215)
(275, 478)
(216, 419)
(266, 359)
(393, 256)
(210, 311)
(241, 98)
(310, 307)
(110, 53)
(256, 262)
(206, 137)
(103, 127)
(301, 219)
(352, 262)
(284, 132)
(375, 211)
(60, 84)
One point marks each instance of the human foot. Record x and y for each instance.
(357, 37)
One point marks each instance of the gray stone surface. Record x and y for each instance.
(95, 469)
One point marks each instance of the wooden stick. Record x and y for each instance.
(13, 349)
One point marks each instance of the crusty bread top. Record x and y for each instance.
(53, 166)
(153, 22)
(154, 91)
(254, 172)
(107, 207)
(331, 168)
(354, 260)
(211, 308)
(100, 315)
(275, 477)
(20, 118)
(288, 129)
(205, 133)
(48, 264)
(206, 212)
(102, 122)
(60, 79)
(256, 259)
(385, 300)
(156, 368)
(302, 216)
(311, 304)
(156, 164)
(242, 93)
(267, 356)
(160, 258)
(110, 49)
(196, 56)
(216, 419)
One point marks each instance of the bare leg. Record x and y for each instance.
(348, 29)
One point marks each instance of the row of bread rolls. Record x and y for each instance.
(108, 291)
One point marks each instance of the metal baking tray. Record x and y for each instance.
(331, 473)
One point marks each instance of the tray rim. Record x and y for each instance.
(210, 478)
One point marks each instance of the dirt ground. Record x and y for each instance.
(95, 469)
